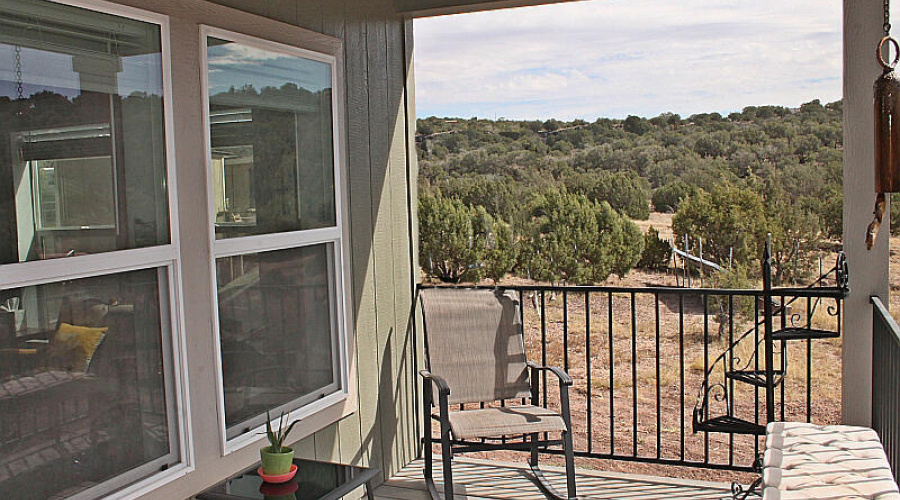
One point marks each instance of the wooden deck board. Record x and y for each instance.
(485, 480)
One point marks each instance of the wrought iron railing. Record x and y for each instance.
(639, 356)
(886, 382)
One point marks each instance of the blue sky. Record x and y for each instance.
(612, 58)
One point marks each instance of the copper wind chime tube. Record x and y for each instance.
(887, 127)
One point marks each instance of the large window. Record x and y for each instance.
(276, 231)
(87, 393)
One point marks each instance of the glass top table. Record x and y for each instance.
(314, 481)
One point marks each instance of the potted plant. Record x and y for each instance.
(276, 458)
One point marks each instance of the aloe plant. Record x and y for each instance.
(276, 439)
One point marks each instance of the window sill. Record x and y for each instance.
(153, 482)
(313, 417)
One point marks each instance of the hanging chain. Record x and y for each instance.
(887, 17)
(19, 91)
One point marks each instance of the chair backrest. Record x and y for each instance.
(474, 340)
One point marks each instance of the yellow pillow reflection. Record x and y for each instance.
(75, 345)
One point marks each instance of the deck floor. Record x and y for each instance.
(485, 480)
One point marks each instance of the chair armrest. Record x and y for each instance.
(443, 388)
(563, 377)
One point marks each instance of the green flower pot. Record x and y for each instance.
(276, 463)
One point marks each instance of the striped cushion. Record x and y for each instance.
(805, 461)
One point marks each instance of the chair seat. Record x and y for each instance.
(506, 421)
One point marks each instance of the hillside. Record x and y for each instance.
(764, 170)
(496, 163)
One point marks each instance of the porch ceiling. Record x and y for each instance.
(425, 8)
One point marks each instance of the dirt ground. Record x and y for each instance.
(659, 221)
(640, 408)
(895, 277)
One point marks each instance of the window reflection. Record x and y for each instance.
(83, 397)
(82, 136)
(73, 193)
(272, 155)
(277, 324)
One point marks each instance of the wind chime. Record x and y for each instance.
(887, 127)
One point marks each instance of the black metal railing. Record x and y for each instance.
(886, 382)
(639, 356)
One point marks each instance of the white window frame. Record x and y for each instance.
(165, 259)
(334, 236)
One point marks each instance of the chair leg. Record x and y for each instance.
(533, 459)
(446, 458)
(429, 460)
(428, 471)
(569, 449)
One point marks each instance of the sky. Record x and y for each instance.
(614, 58)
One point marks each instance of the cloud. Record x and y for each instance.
(618, 57)
(236, 65)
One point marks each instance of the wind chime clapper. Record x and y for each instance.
(887, 133)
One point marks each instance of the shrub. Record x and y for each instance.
(738, 277)
(656, 252)
(571, 238)
(668, 197)
(728, 217)
(626, 192)
(462, 243)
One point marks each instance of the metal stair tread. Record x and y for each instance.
(729, 424)
(803, 334)
(754, 377)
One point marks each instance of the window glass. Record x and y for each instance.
(271, 135)
(82, 392)
(277, 324)
(82, 139)
(73, 193)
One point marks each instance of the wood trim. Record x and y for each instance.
(200, 12)
(431, 8)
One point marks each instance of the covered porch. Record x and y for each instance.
(631, 412)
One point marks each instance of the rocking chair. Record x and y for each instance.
(475, 353)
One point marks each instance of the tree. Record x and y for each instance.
(636, 125)
(796, 234)
(667, 198)
(709, 146)
(501, 251)
(895, 213)
(828, 206)
(626, 192)
(620, 240)
(445, 238)
(462, 243)
(656, 252)
(571, 238)
(728, 218)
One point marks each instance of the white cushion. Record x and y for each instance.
(805, 461)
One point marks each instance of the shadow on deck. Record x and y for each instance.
(487, 480)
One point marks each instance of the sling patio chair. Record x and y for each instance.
(475, 354)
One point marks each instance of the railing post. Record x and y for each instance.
(767, 329)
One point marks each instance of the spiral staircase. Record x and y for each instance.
(715, 409)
